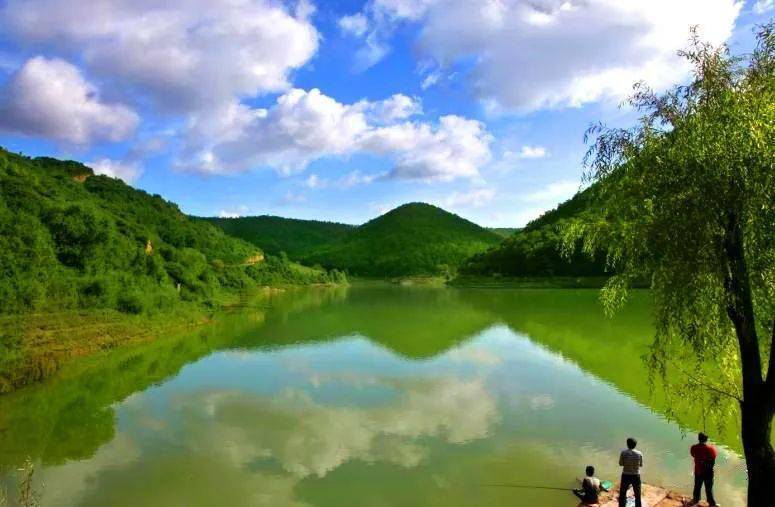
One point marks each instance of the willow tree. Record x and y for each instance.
(686, 201)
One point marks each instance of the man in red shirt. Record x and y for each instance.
(704, 456)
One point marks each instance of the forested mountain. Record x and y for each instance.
(71, 239)
(413, 239)
(421, 239)
(504, 232)
(297, 238)
(535, 250)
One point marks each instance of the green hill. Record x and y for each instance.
(503, 232)
(534, 251)
(297, 238)
(72, 239)
(413, 239)
(574, 206)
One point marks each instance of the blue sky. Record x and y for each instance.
(341, 110)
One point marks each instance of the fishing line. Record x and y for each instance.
(528, 486)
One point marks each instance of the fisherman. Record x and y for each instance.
(590, 488)
(631, 461)
(704, 455)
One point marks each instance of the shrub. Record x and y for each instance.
(130, 303)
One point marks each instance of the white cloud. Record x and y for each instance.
(307, 125)
(50, 98)
(373, 50)
(454, 149)
(430, 80)
(763, 6)
(123, 170)
(534, 54)
(541, 401)
(356, 24)
(375, 25)
(396, 107)
(300, 127)
(509, 158)
(315, 181)
(403, 9)
(355, 178)
(234, 213)
(451, 410)
(475, 198)
(554, 192)
(474, 354)
(185, 54)
(528, 152)
(292, 197)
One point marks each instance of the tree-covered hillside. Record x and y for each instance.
(504, 232)
(71, 239)
(413, 239)
(297, 238)
(535, 250)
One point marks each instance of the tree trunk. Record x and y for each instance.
(759, 454)
(758, 405)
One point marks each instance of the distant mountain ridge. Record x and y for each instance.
(504, 232)
(412, 239)
(297, 238)
(422, 239)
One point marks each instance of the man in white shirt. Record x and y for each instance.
(590, 488)
(631, 461)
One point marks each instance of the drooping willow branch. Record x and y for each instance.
(693, 379)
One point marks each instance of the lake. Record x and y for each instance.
(361, 396)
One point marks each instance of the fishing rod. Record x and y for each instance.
(527, 486)
(605, 486)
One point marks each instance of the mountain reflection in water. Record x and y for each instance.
(361, 396)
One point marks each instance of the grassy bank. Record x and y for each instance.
(35, 346)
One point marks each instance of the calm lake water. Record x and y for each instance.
(370, 396)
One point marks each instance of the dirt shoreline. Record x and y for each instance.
(652, 496)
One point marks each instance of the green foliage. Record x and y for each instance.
(671, 188)
(273, 235)
(28, 496)
(71, 239)
(536, 250)
(687, 200)
(81, 235)
(129, 303)
(413, 239)
(503, 232)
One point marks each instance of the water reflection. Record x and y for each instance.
(305, 437)
(378, 396)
